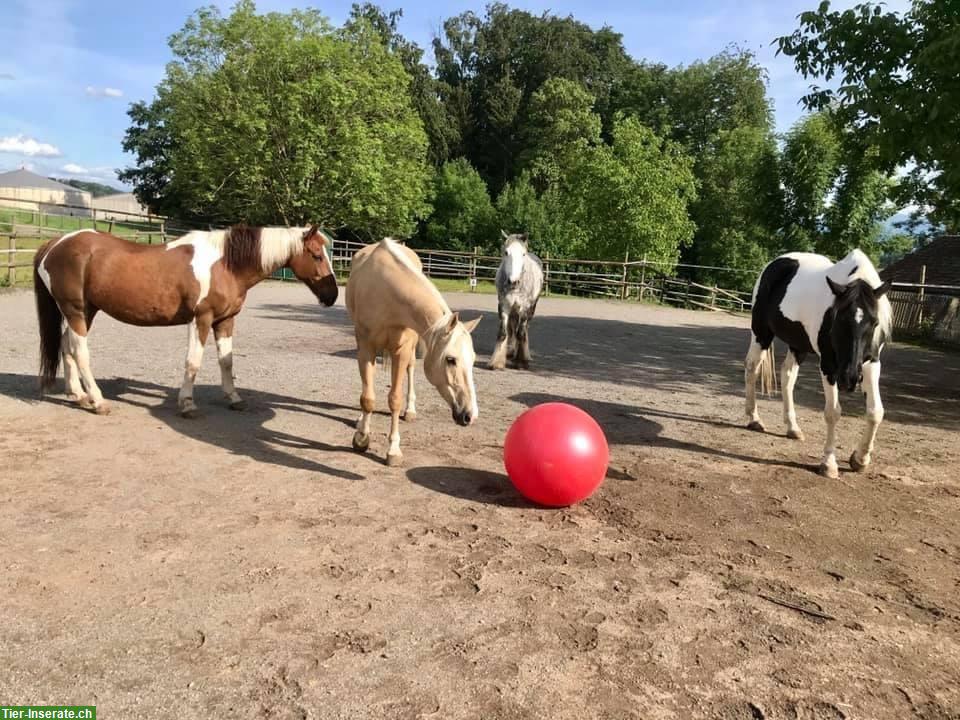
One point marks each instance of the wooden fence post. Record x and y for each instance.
(11, 260)
(923, 282)
(623, 279)
(546, 273)
(643, 276)
(686, 298)
(473, 269)
(713, 297)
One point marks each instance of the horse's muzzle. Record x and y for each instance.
(462, 417)
(326, 290)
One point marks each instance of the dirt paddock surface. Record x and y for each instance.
(251, 565)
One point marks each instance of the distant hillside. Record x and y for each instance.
(95, 189)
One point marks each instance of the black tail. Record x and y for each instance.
(50, 320)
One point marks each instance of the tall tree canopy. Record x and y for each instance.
(898, 86)
(279, 118)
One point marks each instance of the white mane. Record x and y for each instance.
(857, 266)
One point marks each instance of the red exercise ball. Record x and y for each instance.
(555, 454)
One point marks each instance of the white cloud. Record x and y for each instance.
(75, 169)
(105, 92)
(7, 76)
(23, 145)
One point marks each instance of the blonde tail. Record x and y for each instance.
(768, 372)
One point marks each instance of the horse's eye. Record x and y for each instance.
(451, 360)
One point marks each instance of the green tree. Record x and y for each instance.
(836, 197)
(463, 215)
(631, 196)
(279, 118)
(897, 85)
(489, 68)
(739, 205)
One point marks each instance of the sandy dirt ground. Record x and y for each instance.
(251, 565)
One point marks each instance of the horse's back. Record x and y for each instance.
(374, 269)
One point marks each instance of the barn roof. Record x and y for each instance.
(941, 258)
(25, 179)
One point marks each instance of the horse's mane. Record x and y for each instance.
(241, 248)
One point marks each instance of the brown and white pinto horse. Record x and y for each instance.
(201, 279)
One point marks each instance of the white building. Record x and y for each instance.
(120, 207)
(25, 190)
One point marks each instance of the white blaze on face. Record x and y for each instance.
(205, 254)
(858, 316)
(514, 261)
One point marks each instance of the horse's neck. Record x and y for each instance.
(423, 310)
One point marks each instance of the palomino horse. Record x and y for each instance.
(394, 306)
(838, 311)
(519, 282)
(201, 279)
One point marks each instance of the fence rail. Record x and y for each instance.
(917, 306)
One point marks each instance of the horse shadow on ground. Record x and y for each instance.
(918, 385)
(244, 434)
(632, 425)
(465, 483)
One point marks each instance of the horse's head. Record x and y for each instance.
(514, 252)
(448, 365)
(854, 328)
(313, 266)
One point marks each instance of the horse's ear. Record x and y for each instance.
(836, 288)
(454, 319)
(503, 234)
(882, 290)
(471, 324)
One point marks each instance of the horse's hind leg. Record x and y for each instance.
(197, 332)
(76, 344)
(871, 386)
(71, 371)
(751, 371)
(788, 378)
(223, 332)
(366, 358)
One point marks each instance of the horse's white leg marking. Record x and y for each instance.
(750, 373)
(831, 413)
(81, 353)
(225, 357)
(366, 360)
(498, 360)
(194, 359)
(410, 411)
(71, 373)
(788, 378)
(871, 386)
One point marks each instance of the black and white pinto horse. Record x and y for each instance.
(519, 282)
(838, 311)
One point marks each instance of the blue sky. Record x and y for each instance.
(70, 68)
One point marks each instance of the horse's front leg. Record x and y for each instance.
(523, 343)
(860, 457)
(788, 378)
(498, 361)
(223, 332)
(197, 332)
(399, 360)
(366, 360)
(831, 413)
(410, 409)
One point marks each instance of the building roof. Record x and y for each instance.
(941, 258)
(25, 179)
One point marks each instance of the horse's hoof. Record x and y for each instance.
(102, 409)
(189, 412)
(239, 405)
(795, 434)
(361, 443)
(409, 416)
(756, 426)
(829, 471)
(395, 460)
(78, 399)
(499, 365)
(855, 463)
